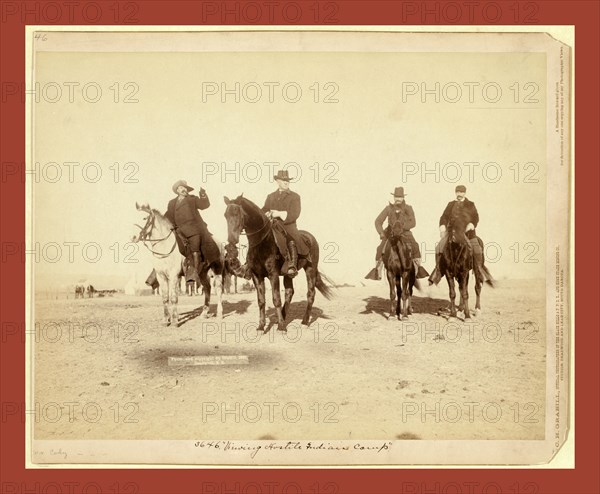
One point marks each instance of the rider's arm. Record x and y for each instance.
(267, 207)
(446, 214)
(293, 210)
(380, 219)
(169, 214)
(411, 222)
(474, 216)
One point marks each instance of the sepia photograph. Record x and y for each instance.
(298, 246)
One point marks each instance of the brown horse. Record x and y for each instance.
(79, 291)
(400, 270)
(456, 262)
(265, 261)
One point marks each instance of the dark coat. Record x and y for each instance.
(392, 213)
(185, 216)
(290, 202)
(456, 208)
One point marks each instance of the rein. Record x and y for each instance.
(146, 231)
(252, 241)
(453, 260)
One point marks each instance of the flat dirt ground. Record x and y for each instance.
(101, 368)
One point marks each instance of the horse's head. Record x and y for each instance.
(234, 214)
(149, 220)
(156, 225)
(397, 228)
(456, 230)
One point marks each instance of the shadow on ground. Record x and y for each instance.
(420, 305)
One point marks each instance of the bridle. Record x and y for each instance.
(144, 235)
(252, 241)
(452, 239)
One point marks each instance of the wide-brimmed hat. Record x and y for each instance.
(398, 192)
(282, 175)
(460, 188)
(179, 183)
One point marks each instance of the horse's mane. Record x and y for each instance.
(248, 205)
(162, 217)
(457, 226)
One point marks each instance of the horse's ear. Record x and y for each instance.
(226, 199)
(137, 206)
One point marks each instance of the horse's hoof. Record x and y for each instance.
(165, 324)
(305, 323)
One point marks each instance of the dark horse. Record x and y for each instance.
(400, 270)
(456, 262)
(79, 291)
(265, 261)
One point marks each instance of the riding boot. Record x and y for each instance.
(375, 273)
(436, 276)
(292, 259)
(420, 270)
(192, 274)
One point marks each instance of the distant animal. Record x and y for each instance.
(90, 291)
(79, 291)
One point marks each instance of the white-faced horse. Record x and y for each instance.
(158, 237)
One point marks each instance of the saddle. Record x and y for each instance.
(388, 245)
(278, 228)
(421, 272)
(209, 250)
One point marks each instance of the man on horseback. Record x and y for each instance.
(460, 208)
(192, 233)
(396, 211)
(283, 208)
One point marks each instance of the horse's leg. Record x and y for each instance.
(311, 282)
(164, 291)
(405, 295)
(398, 283)
(411, 283)
(463, 284)
(478, 294)
(452, 295)
(288, 284)
(173, 296)
(205, 282)
(259, 283)
(274, 279)
(217, 269)
(392, 283)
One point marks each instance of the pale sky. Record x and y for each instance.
(362, 146)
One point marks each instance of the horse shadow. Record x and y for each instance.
(420, 305)
(239, 307)
(295, 313)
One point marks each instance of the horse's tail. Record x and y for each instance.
(324, 285)
(480, 242)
